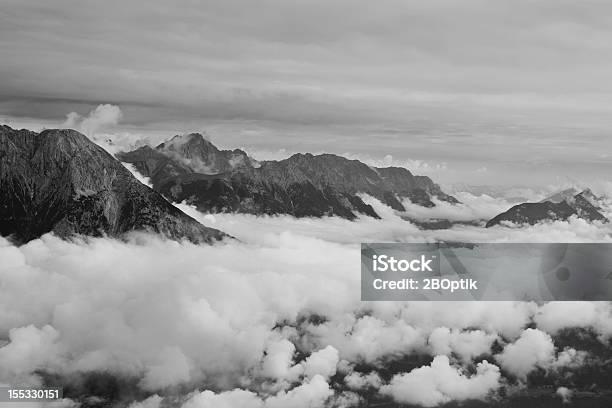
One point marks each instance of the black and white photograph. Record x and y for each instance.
(305, 203)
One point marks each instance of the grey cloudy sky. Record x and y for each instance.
(513, 92)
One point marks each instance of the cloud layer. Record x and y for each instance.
(272, 321)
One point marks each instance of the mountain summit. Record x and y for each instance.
(200, 155)
(558, 207)
(59, 181)
(190, 168)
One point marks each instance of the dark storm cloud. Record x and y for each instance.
(300, 61)
(473, 84)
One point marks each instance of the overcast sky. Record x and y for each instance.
(483, 92)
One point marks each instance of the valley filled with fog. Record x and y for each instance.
(273, 318)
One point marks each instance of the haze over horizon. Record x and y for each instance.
(504, 93)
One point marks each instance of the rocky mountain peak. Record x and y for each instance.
(302, 185)
(197, 152)
(190, 146)
(558, 207)
(59, 181)
(562, 195)
(591, 197)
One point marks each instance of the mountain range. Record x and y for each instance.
(59, 181)
(190, 168)
(558, 207)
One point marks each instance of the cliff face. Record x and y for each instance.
(558, 207)
(302, 185)
(59, 181)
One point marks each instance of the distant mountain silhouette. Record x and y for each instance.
(59, 181)
(190, 168)
(558, 207)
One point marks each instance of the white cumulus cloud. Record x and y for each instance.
(98, 119)
(440, 383)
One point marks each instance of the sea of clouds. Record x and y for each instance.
(274, 317)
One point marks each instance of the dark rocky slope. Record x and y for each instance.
(558, 207)
(190, 168)
(59, 181)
